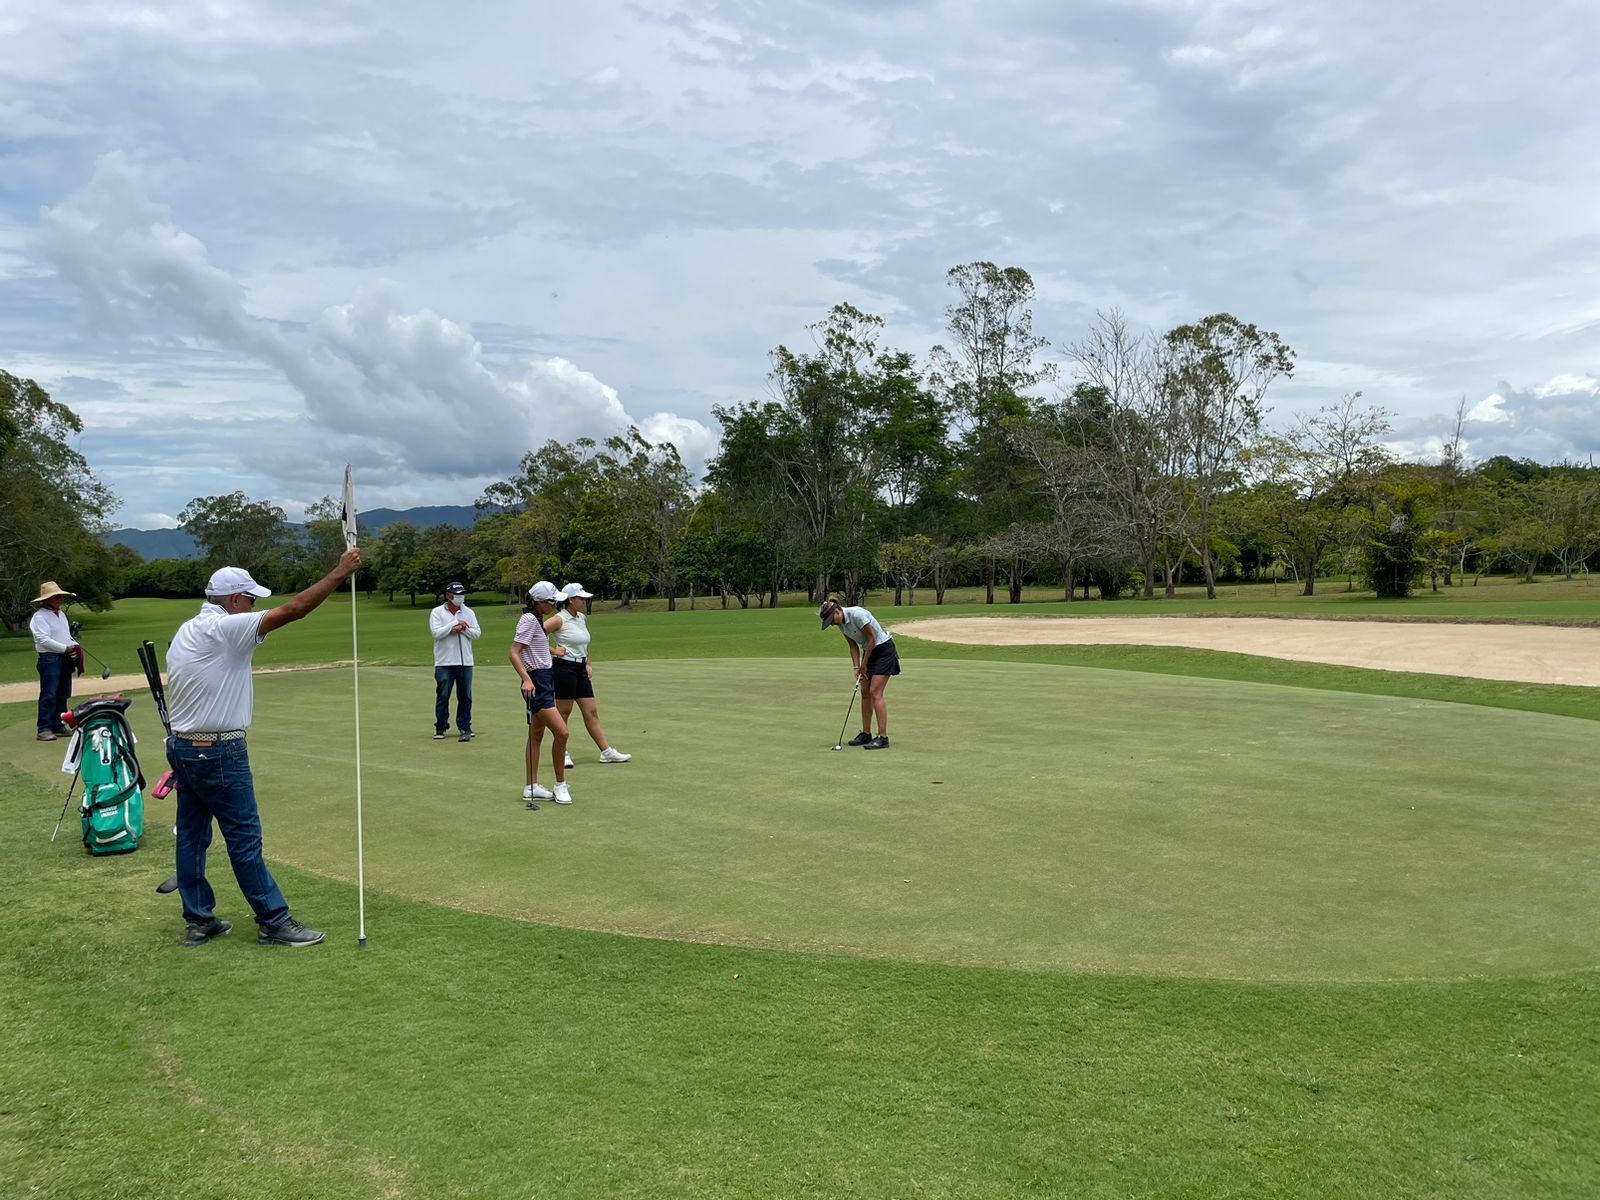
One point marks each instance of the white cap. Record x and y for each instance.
(545, 590)
(232, 581)
(576, 589)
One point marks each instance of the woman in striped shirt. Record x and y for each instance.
(530, 655)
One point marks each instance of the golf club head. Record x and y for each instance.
(105, 672)
(169, 884)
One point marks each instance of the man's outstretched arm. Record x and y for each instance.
(303, 605)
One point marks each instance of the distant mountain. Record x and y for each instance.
(459, 515)
(150, 544)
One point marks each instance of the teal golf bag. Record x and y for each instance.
(102, 756)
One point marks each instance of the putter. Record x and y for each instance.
(839, 745)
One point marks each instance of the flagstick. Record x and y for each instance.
(361, 879)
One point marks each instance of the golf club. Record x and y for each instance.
(158, 693)
(105, 671)
(839, 745)
(70, 788)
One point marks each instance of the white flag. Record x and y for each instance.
(347, 515)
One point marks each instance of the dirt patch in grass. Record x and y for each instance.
(88, 685)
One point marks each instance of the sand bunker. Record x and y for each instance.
(1523, 653)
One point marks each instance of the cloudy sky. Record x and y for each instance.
(248, 241)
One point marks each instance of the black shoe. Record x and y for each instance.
(466, 736)
(199, 935)
(290, 933)
(438, 735)
(877, 743)
(860, 739)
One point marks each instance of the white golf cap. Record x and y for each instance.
(576, 589)
(234, 581)
(545, 590)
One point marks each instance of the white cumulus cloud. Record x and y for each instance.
(410, 388)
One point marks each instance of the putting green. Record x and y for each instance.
(1027, 816)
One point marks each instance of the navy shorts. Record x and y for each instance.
(572, 680)
(884, 660)
(544, 691)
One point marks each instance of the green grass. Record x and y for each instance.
(1049, 832)
(480, 1047)
(472, 1056)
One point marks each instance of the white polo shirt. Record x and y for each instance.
(208, 670)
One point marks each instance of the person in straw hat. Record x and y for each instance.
(59, 658)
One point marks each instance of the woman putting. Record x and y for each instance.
(875, 659)
(568, 631)
(530, 655)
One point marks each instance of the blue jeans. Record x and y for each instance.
(215, 782)
(55, 690)
(444, 678)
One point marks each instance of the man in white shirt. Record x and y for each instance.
(52, 638)
(454, 627)
(209, 702)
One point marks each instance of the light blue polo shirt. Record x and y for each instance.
(856, 621)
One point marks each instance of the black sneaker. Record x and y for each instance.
(438, 735)
(466, 736)
(199, 935)
(877, 743)
(290, 933)
(860, 739)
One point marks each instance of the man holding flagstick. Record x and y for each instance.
(210, 700)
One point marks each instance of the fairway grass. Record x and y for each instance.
(464, 1055)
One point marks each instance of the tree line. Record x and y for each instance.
(1134, 462)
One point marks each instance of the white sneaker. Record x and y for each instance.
(562, 796)
(612, 754)
(569, 764)
(535, 792)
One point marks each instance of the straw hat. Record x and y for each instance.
(51, 588)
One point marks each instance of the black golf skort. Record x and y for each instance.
(884, 659)
(572, 680)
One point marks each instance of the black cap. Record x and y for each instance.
(456, 587)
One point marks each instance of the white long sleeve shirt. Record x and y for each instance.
(51, 633)
(451, 649)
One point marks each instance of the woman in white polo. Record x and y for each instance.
(568, 631)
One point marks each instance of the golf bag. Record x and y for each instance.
(102, 755)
